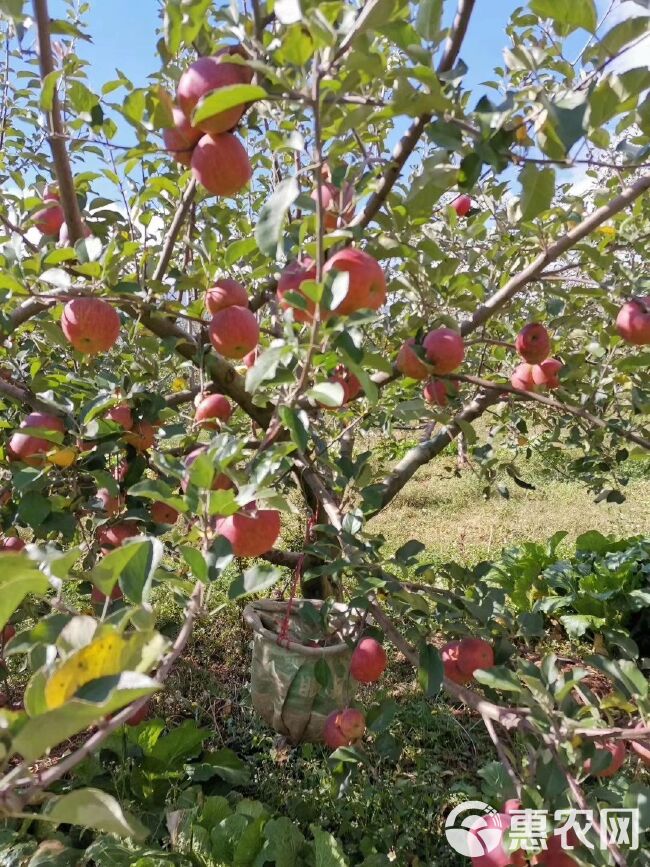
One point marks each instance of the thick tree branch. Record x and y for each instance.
(554, 251)
(27, 398)
(56, 137)
(421, 454)
(409, 140)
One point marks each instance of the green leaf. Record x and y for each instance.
(226, 764)
(19, 576)
(48, 89)
(285, 842)
(500, 678)
(156, 489)
(294, 424)
(430, 671)
(195, 561)
(329, 394)
(34, 509)
(132, 564)
(568, 15)
(183, 742)
(327, 849)
(264, 368)
(254, 580)
(427, 22)
(224, 98)
(538, 187)
(272, 214)
(92, 808)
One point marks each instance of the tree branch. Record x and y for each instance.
(174, 230)
(62, 170)
(572, 237)
(409, 140)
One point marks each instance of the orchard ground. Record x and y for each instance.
(438, 744)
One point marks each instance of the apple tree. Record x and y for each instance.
(305, 231)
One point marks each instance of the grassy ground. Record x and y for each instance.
(396, 804)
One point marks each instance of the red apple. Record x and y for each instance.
(409, 362)
(251, 357)
(547, 373)
(110, 504)
(181, 138)
(449, 654)
(110, 537)
(474, 653)
(31, 449)
(352, 723)
(98, 597)
(554, 855)
(522, 377)
(338, 204)
(462, 205)
(290, 280)
(138, 716)
(204, 76)
(368, 661)
(211, 407)
(533, 343)
(11, 544)
(444, 349)
(633, 321)
(499, 855)
(142, 436)
(234, 332)
(161, 513)
(332, 734)
(7, 633)
(435, 393)
(226, 292)
(121, 415)
(367, 283)
(90, 324)
(220, 164)
(49, 220)
(616, 750)
(251, 531)
(349, 382)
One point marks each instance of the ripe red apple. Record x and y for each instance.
(368, 661)
(449, 654)
(234, 332)
(349, 382)
(90, 324)
(547, 373)
(161, 513)
(11, 544)
(367, 283)
(110, 537)
(202, 77)
(181, 138)
(290, 280)
(212, 406)
(462, 205)
(110, 504)
(251, 357)
(97, 597)
(220, 163)
(142, 436)
(221, 481)
(554, 855)
(616, 750)
(522, 377)
(474, 653)
(633, 321)
(352, 723)
(409, 362)
(121, 415)
(512, 805)
(226, 292)
(64, 235)
(533, 343)
(332, 734)
(251, 531)
(642, 748)
(49, 220)
(434, 392)
(500, 855)
(138, 716)
(31, 449)
(338, 204)
(444, 349)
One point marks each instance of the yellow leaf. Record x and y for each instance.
(100, 658)
(62, 457)
(607, 231)
(178, 384)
